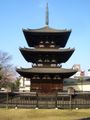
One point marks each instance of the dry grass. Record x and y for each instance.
(43, 114)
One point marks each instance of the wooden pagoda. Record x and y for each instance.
(46, 52)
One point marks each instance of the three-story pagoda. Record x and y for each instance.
(46, 52)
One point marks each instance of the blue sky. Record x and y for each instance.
(70, 14)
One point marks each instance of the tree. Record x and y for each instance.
(7, 73)
(17, 83)
(14, 86)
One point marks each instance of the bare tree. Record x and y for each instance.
(7, 73)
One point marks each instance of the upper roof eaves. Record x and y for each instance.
(47, 29)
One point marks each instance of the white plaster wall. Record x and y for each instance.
(78, 87)
(27, 82)
(24, 89)
(24, 85)
(22, 82)
(88, 73)
(86, 87)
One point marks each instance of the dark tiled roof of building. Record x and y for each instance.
(47, 29)
(48, 49)
(34, 36)
(48, 70)
(61, 55)
(64, 73)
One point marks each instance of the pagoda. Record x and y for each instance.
(46, 52)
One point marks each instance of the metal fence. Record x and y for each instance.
(61, 100)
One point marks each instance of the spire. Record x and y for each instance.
(47, 15)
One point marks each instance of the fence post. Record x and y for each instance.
(70, 101)
(70, 92)
(56, 100)
(37, 100)
(7, 99)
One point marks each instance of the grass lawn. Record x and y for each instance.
(43, 114)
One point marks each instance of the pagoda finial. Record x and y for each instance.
(47, 15)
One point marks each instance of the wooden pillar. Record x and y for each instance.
(56, 101)
(37, 100)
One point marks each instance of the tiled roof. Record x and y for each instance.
(47, 29)
(48, 49)
(47, 70)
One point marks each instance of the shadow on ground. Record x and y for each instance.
(88, 118)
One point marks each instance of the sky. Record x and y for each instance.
(69, 14)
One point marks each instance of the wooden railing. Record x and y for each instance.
(60, 100)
